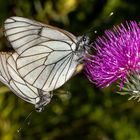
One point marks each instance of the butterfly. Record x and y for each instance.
(44, 58)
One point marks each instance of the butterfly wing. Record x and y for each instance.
(24, 33)
(4, 74)
(46, 54)
(9, 76)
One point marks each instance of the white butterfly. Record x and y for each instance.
(45, 58)
(10, 76)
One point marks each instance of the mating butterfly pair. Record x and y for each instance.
(45, 57)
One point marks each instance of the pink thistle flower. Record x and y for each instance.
(117, 54)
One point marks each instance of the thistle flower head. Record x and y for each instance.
(117, 54)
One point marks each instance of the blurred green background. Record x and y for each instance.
(83, 112)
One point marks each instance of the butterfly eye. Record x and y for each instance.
(84, 39)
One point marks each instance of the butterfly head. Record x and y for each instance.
(39, 109)
(42, 101)
(82, 46)
(83, 43)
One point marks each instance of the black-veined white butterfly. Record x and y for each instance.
(45, 58)
(10, 76)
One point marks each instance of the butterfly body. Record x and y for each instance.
(45, 58)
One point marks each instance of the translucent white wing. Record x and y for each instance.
(24, 33)
(46, 54)
(10, 77)
(4, 74)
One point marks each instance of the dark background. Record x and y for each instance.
(83, 112)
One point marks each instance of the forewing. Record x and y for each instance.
(24, 33)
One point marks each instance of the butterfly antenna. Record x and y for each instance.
(18, 130)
